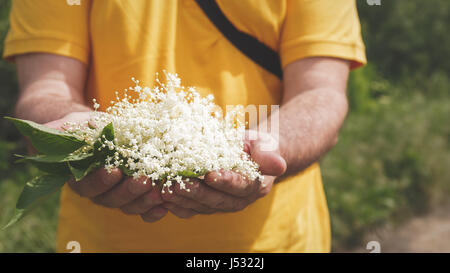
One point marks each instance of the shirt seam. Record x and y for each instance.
(86, 49)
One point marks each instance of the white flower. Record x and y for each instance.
(170, 131)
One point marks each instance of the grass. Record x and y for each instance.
(36, 232)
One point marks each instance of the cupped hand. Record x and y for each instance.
(114, 189)
(228, 191)
(222, 191)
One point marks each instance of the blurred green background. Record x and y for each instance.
(392, 161)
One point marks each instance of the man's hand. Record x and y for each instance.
(223, 191)
(227, 191)
(114, 190)
(312, 110)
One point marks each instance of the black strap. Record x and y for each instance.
(248, 45)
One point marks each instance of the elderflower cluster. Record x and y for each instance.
(169, 133)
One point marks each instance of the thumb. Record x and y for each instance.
(270, 162)
(74, 117)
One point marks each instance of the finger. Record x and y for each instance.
(202, 193)
(82, 118)
(144, 203)
(123, 193)
(184, 202)
(232, 183)
(154, 214)
(180, 211)
(270, 163)
(264, 151)
(96, 183)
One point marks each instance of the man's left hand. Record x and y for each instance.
(228, 191)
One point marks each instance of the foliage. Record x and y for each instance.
(33, 234)
(390, 163)
(407, 38)
(37, 233)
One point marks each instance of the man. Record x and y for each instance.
(67, 55)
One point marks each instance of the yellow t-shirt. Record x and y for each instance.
(121, 39)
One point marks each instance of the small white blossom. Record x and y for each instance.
(169, 132)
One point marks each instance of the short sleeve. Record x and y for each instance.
(51, 26)
(329, 28)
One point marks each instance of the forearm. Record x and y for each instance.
(51, 86)
(45, 106)
(308, 126)
(312, 110)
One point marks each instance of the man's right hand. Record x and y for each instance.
(53, 87)
(114, 189)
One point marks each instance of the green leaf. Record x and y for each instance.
(34, 190)
(125, 170)
(191, 174)
(55, 158)
(51, 168)
(53, 164)
(39, 187)
(80, 171)
(46, 140)
(18, 214)
(108, 132)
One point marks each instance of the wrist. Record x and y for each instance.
(32, 109)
